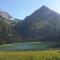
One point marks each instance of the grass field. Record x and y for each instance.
(30, 55)
(31, 46)
(28, 51)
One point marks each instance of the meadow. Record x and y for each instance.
(28, 51)
(30, 55)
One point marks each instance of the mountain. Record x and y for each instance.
(5, 15)
(44, 13)
(7, 25)
(41, 25)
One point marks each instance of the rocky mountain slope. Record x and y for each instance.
(41, 25)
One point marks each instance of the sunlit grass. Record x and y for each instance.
(30, 55)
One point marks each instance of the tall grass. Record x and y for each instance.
(30, 55)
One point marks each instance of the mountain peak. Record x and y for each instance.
(43, 13)
(5, 15)
(44, 8)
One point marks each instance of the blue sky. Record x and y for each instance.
(22, 8)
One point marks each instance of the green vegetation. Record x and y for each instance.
(7, 33)
(30, 55)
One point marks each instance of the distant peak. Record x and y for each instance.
(5, 15)
(44, 7)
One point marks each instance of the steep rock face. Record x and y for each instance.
(42, 24)
(44, 13)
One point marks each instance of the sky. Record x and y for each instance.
(22, 8)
